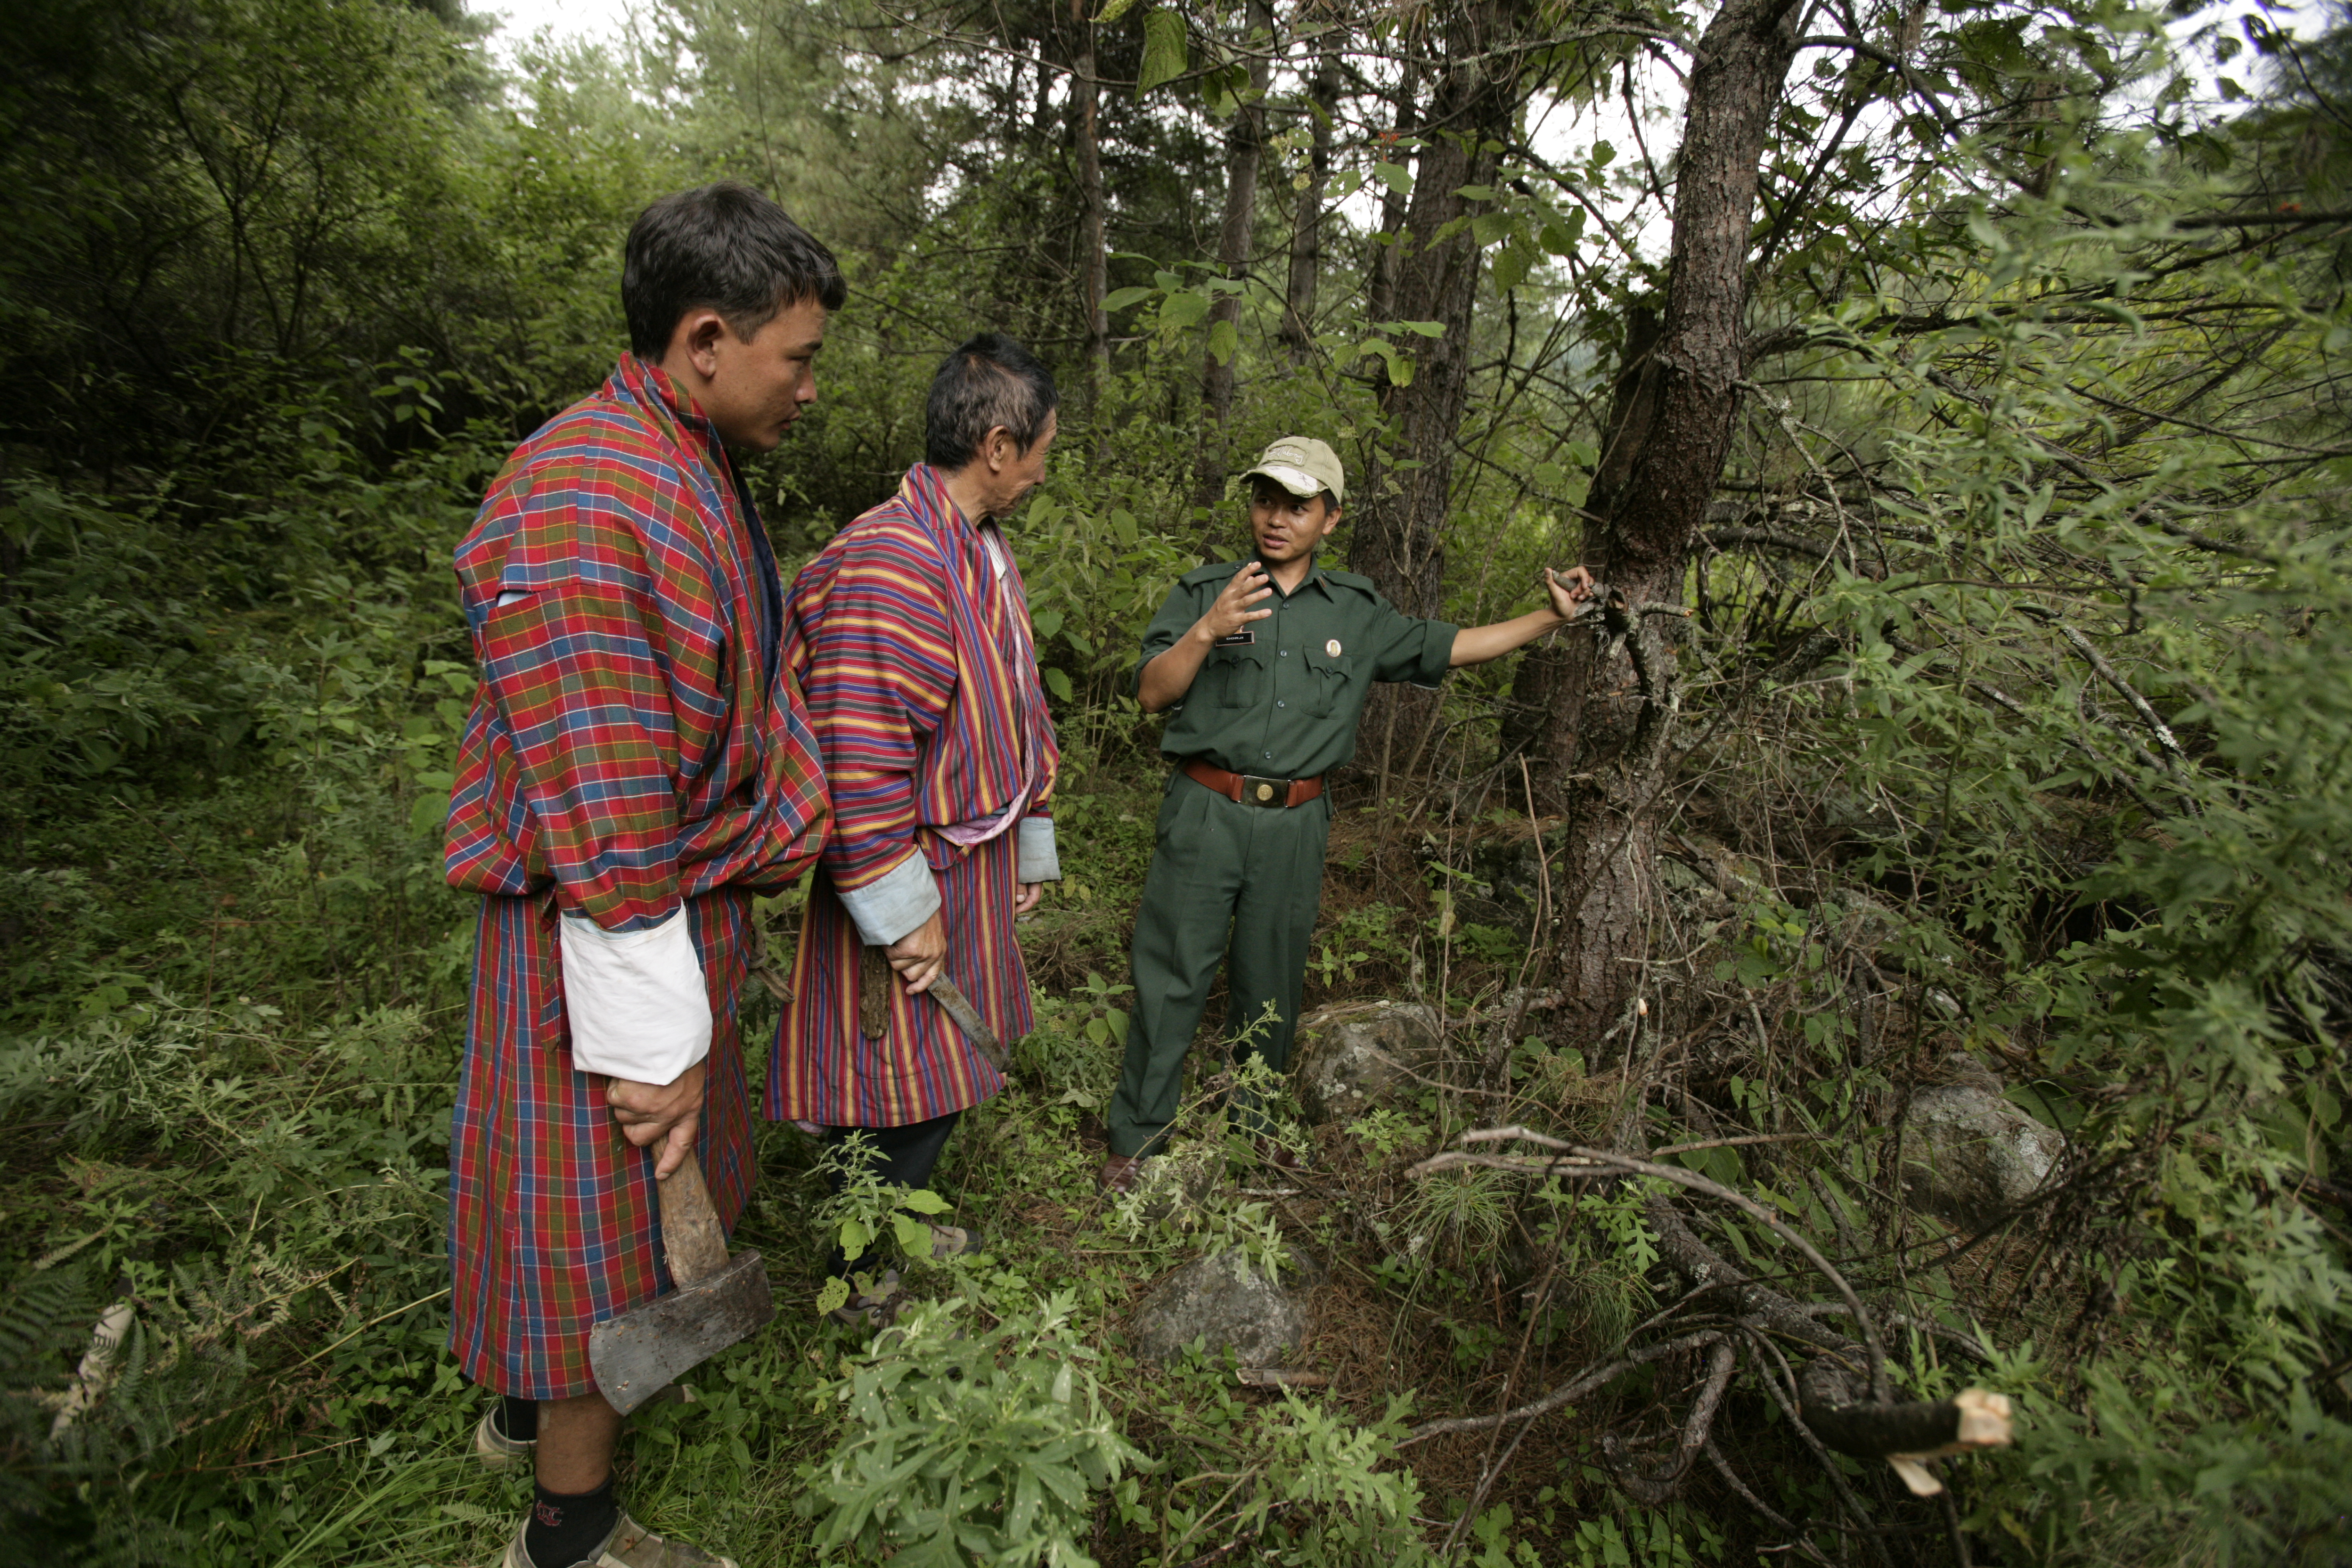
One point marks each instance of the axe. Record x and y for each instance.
(717, 1302)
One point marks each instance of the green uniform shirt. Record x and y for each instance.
(1284, 703)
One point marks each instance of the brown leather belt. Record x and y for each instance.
(1248, 789)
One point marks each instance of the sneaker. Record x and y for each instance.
(954, 1241)
(1119, 1172)
(876, 1309)
(493, 1448)
(630, 1545)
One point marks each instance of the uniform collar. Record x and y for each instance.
(1313, 578)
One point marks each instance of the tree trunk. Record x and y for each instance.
(1245, 147)
(1399, 510)
(1306, 232)
(1540, 722)
(1608, 742)
(1093, 265)
(1380, 266)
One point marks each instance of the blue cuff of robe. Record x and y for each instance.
(894, 903)
(1039, 861)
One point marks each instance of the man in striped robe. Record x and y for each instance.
(911, 636)
(636, 766)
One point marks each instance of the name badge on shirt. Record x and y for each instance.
(1239, 639)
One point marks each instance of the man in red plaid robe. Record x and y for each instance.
(638, 763)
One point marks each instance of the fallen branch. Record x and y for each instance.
(1658, 1487)
(1604, 1160)
(1589, 1382)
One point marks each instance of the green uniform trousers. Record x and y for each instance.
(1228, 882)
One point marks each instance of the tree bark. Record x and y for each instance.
(1398, 505)
(1245, 149)
(1380, 266)
(1094, 263)
(1610, 722)
(1306, 231)
(1541, 722)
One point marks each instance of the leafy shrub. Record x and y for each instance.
(967, 1444)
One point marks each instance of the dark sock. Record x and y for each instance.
(565, 1529)
(518, 1420)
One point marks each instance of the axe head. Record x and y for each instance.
(645, 1349)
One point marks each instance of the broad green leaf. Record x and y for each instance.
(1164, 52)
(922, 1200)
(1121, 299)
(1057, 682)
(1225, 341)
(1113, 12)
(1186, 309)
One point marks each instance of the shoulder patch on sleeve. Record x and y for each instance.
(1214, 572)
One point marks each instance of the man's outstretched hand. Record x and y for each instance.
(664, 1113)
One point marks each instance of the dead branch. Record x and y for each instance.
(1591, 1381)
(1658, 1487)
(1601, 1158)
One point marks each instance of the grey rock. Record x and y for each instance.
(1352, 1054)
(1227, 1305)
(1970, 1156)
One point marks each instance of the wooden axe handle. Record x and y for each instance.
(692, 1237)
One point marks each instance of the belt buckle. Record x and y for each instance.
(1256, 790)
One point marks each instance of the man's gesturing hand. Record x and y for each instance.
(1568, 589)
(920, 955)
(667, 1113)
(1232, 611)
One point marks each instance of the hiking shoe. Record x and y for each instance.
(954, 1241)
(876, 1309)
(1278, 1155)
(493, 1448)
(1119, 1172)
(631, 1546)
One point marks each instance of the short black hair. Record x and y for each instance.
(988, 382)
(723, 245)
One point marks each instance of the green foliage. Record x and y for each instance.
(968, 1444)
(862, 1209)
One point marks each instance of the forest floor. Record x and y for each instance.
(262, 1172)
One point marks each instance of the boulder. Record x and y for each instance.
(1227, 1305)
(1350, 1055)
(1970, 1156)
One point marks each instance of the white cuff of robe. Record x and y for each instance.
(894, 903)
(635, 999)
(1039, 862)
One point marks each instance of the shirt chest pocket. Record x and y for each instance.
(1328, 677)
(1233, 678)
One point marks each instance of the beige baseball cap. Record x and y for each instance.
(1304, 467)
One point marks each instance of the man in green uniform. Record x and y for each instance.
(1266, 665)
